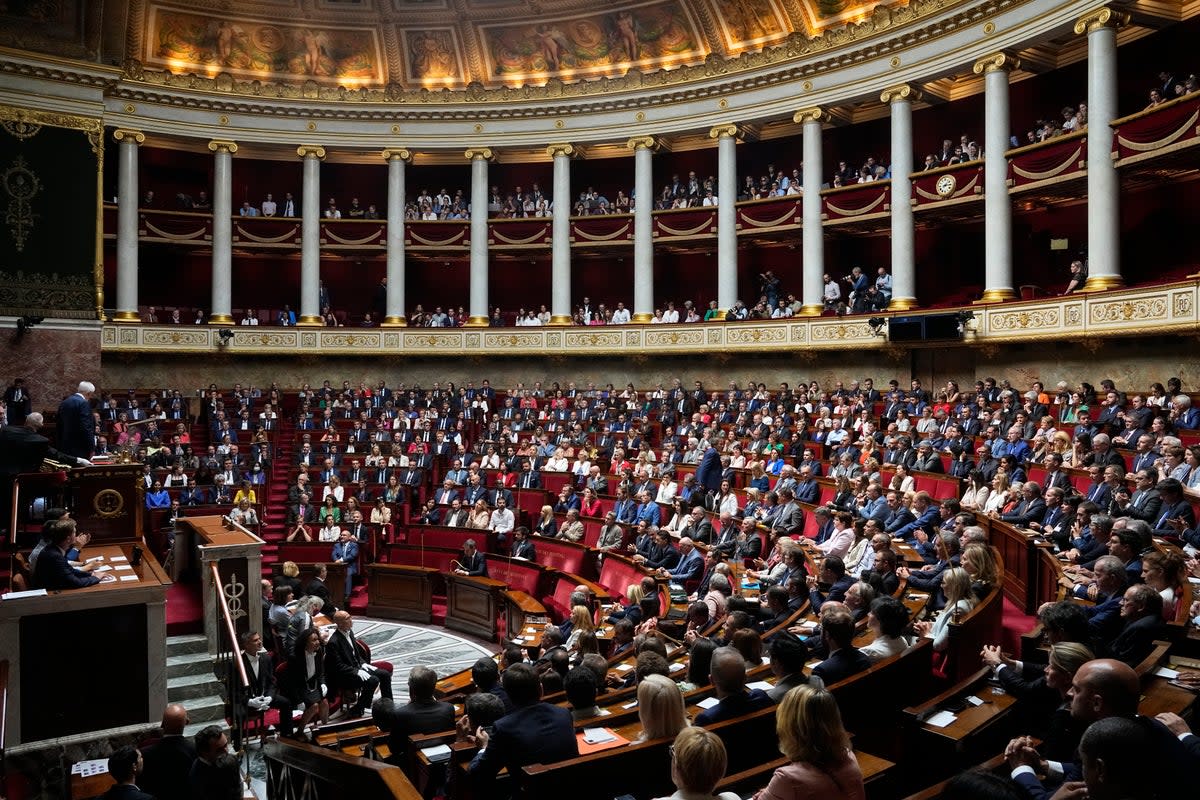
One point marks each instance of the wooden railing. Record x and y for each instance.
(302, 770)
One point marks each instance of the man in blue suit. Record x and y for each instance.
(345, 551)
(690, 566)
(708, 473)
(76, 426)
(532, 733)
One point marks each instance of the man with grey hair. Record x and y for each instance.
(302, 619)
(76, 425)
(1183, 414)
(728, 673)
(1103, 453)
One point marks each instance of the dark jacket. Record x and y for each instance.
(534, 734)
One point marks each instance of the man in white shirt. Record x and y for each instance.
(250, 319)
(331, 210)
(710, 199)
(502, 520)
(268, 206)
(671, 314)
(247, 210)
(621, 315)
(832, 293)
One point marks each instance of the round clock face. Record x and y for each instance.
(945, 185)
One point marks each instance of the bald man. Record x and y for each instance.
(346, 666)
(76, 426)
(166, 763)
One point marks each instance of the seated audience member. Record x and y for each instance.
(844, 660)
(347, 668)
(261, 692)
(580, 688)
(534, 732)
(304, 679)
(1141, 615)
(698, 762)
(811, 737)
(728, 674)
(1044, 695)
(956, 585)
(125, 766)
(888, 620)
(788, 657)
(166, 762)
(423, 713)
(833, 574)
(53, 571)
(214, 774)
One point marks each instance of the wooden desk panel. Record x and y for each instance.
(401, 592)
(471, 604)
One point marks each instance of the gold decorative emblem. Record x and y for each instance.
(234, 590)
(21, 128)
(108, 504)
(21, 186)
(946, 185)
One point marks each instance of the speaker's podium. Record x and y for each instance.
(472, 604)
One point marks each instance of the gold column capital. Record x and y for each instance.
(642, 143)
(219, 145)
(814, 114)
(563, 149)
(480, 153)
(904, 91)
(996, 62)
(401, 153)
(729, 130)
(1102, 17)
(310, 151)
(123, 134)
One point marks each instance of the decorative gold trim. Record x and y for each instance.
(996, 62)
(394, 322)
(1050, 173)
(855, 212)
(902, 92)
(643, 143)
(477, 322)
(219, 145)
(542, 234)
(642, 318)
(606, 238)
(126, 316)
(121, 134)
(708, 223)
(295, 230)
(310, 321)
(1102, 283)
(1102, 17)
(562, 149)
(757, 224)
(313, 150)
(814, 310)
(430, 242)
(813, 114)
(1143, 147)
(902, 304)
(401, 153)
(561, 319)
(997, 295)
(480, 153)
(174, 237)
(374, 236)
(220, 319)
(728, 130)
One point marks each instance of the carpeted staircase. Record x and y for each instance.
(274, 522)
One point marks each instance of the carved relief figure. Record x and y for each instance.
(432, 55)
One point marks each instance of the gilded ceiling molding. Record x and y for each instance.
(643, 143)
(398, 153)
(814, 114)
(996, 62)
(904, 92)
(122, 134)
(564, 149)
(480, 154)
(310, 151)
(728, 130)
(1103, 17)
(223, 146)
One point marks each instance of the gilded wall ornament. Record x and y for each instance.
(20, 187)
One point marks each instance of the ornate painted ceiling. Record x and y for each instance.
(424, 44)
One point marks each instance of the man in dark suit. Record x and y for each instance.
(124, 766)
(790, 518)
(532, 733)
(1141, 613)
(833, 574)
(166, 762)
(447, 494)
(421, 714)
(472, 561)
(521, 546)
(22, 449)
(690, 565)
(75, 424)
(1144, 504)
(708, 473)
(260, 694)
(1031, 508)
(317, 588)
(346, 666)
(52, 571)
(17, 402)
(529, 478)
(844, 660)
(728, 674)
(214, 774)
(1176, 517)
(698, 527)
(1056, 476)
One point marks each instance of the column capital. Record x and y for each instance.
(123, 134)
(1102, 17)
(401, 153)
(564, 149)
(221, 145)
(730, 130)
(480, 153)
(905, 92)
(814, 114)
(642, 143)
(310, 151)
(997, 62)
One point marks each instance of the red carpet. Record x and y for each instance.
(184, 611)
(1016, 623)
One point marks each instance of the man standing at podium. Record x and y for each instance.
(76, 427)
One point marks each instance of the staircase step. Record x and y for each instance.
(185, 645)
(205, 709)
(192, 687)
(191, 730)
(189, 664)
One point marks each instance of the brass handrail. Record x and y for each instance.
(229, 629)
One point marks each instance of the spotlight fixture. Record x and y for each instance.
(877, 324)
(965, 316)
(224, 336)
(25, 323)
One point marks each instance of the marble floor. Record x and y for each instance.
(405, 646)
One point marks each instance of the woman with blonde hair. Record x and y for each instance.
(956, 584)
(979, 560)
(811, 736)
(998, 497)
(698, 762)
(633, 608)
(581, 621)
(546, 524)
(479, 518)
(660, 708)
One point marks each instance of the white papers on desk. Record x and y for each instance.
(103, 568)
(973, 700)
(1167, 672)
(94, 558)
(941, 719)
(675, 667)
(630, 705)
(118, 558)
(437, 753)
(766, 687)
(120, 567)
(96, 766)
(129, 577)
(708, 702)
(24, 594)
(597, 736)
(623, 667)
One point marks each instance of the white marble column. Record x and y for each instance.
(643, 148)
(397, 161)
(997, 206)
(727, 185)
(1103, 183)
(560, 252)
(222, 241)
(813, 243)
(904, 270)
(310, 235)
(127, 225)
(479, 314)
